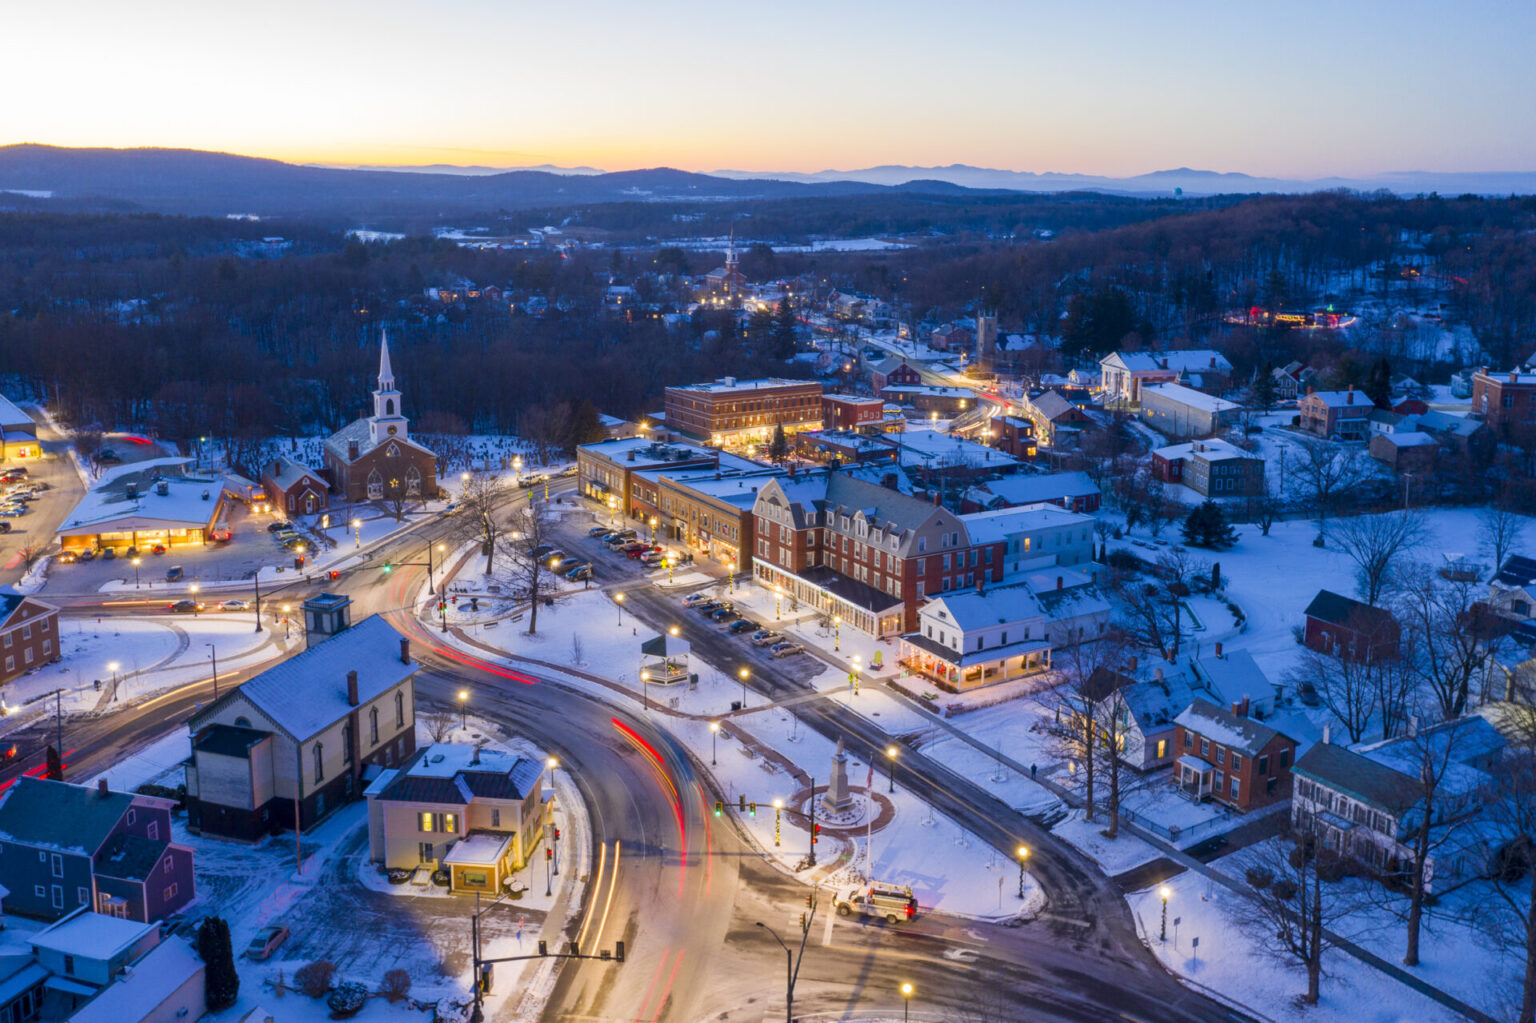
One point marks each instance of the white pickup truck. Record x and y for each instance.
(893, 902)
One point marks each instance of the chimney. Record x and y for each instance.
(1134, 662)
(352, 451)
(1058, 582)
(1327, 729)
(1514, 376)
(352, 688)
(1218, 650)
(1413, 725)
(631, 454)
(1349, 397)
(1213, 362)
(277, 466)
(101, 788)
(1237, 710)
(474, 758)
(405, 650)
(1245, 705)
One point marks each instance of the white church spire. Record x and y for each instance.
(387, 419)
(386, 375)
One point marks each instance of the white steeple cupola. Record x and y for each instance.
(386, 420)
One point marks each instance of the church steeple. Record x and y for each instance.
(386, 420)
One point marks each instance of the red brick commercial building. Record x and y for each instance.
(736, 411)
(606, 471)
(850, 412)
(29, 634)
(1507, 403)
(1227, 756)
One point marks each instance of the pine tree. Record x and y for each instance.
(1378, 386)
(213, 947)
(778, 447)
(1264, 388)
(1207, 526)
(784, 330)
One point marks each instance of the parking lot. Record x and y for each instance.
(35, 528)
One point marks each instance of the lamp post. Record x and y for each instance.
(136, 563)
(517, 469)
(837, 632)
(742, 674)
(256, 581)
(906, 1000)
(653, 529)
(193, 588)
(613, 504)
(463, 709)
(890, 757)
(1023, 855)
(778, 806)
(731, 576)
(357, 532)
(789, 974)
(669, 571)
(618, 599)
(113, 668)
(714, 742)
(778, 602)
(287, 627)
(853, 676)
(645, 690)
(464, 482)
(554, 842)
(1164, 892)
(213, 653)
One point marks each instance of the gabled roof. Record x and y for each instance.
(306, 694)
(285, 472)
(1034, 489)
(1192, 360)
(455, 774)
(358, 430)
(1222, 726)
(1234, 677)
(10, 600)
(1052, 406)
(1360, 777)
(1344, 400)
(130, 857)
(1336, 609)
(59, 816)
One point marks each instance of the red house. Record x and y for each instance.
(893, 373)
(850, 412)
(1227, 756)
(1349, 629)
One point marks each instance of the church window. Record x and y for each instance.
(389, 406)
(413, 481)
(375, 486)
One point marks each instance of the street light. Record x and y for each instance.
(136, 563)
(287, 627)
(213, 653)
(1023, 855)
(1164, 892)
(853, 676)
(357, 531)
(112, 667)
(906, 1000)
(463, 709)
(742, 674)
(731, 577)
(645, 687)
(778, 805)
(714, 742)
(837, 632)
(778, 602)
(193, 588)
(653, 529)
(517, 469)
(890, 756)
(789, 973)
(618, 598)
(673, 630)
(464, 482)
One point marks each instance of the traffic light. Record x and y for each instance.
(741, 803)
(808, 903)
(618, 951)
(557, 834)
(549, 854)
(719, 807)
(388, 568)
(805, 924)
(543, 947)
(815, 836)
(752, 809)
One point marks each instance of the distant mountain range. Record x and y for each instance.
(197, 182)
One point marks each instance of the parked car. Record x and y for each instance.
(706, 607)
(580, 573)
(653, 557)
(13, 510)
(87, 555)
(740, 625)
(598, 531)
(232, 605)
(158, 548)
(645, 548)
(785, 649)
(184, 607)
(16, 472)
(109, 554)
(568, 471)
(277, 527)
(634, 547)
(451, 507)
(172, 574)
(108, 455)
(5, 527)
(722, 614)
(694, 598)
(542, 550)
(266, 941)
(766, 637)
(64, 558)
(560, 566)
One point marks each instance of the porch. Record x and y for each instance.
(1196, 778)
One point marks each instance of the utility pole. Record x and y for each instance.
(258, 598)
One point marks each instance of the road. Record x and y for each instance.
(685, 891)
(35, 530)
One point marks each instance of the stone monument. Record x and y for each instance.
(837, 798)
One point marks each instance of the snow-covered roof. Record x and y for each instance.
(91, 935)
(730, 385)
(642, 452)
(479, 848)
(285, 472)
(1220, 725)
(1190, 360)
(1414, 439)
(136, 993)
(971, 610)
(10, 415)
(1034, 489)
(1213, 449)
(935, 450)
(307, 693)
(1234, 677)
(57, 815)
(1190, 397)
(107, 504)
(359, 430)
(1001, 523)
(1344, 399)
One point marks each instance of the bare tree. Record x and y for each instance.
(1288, 898)
(438, 723)
(1089, 677)
(1511, 813)
(1347, 686)
(87, 441)
(1322, 475)
(1262, 509)
(480, 520)
(1375, 543)
(1499, 531)
(1454, 637)
(532, 527)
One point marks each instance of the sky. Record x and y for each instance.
(1294, 88)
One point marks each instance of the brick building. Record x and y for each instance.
(294, 488)
(606, 470)
(707, 510)
(1211, 468)
(731, 411)
(1351, 630)
(851, 412)
(1223, 754)
(1507, 403)
(29, 634)
(374, 458)
(1014, 435)
(893, 373)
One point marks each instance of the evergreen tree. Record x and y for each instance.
(1207, 526)
(213, 947)
(586, 425)
(760, 329)
(778, 447)
(1264, 388)
(784, 330)
(1378, 386)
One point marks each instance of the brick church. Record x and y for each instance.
(374, 458)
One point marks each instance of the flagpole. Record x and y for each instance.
(869, 825)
